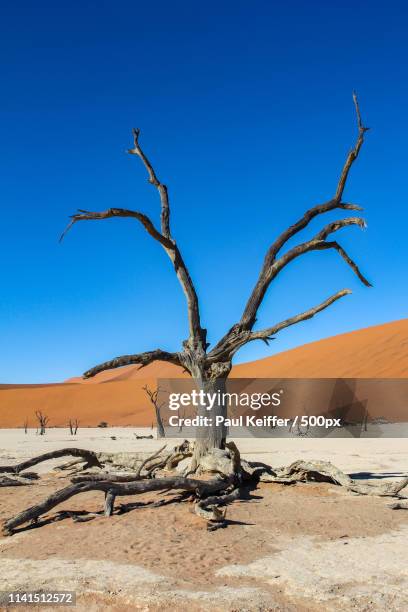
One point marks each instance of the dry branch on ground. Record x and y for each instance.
(223, 476)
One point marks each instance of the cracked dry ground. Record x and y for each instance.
(295, 548)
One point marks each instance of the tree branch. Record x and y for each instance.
(266, 334)
(348, 260)
(238, 339)
(86, 215)
(352, 156)
(142, 359)
(197, 335)
(200, 487)
(241, 330)
(153, 180)
(249, 315)
(89, 456)
(304, 222)
(318, 243)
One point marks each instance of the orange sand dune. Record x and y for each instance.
(374, 352)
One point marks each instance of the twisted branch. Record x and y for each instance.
(197, 335)
(266, 334)
(153, 180)
(240, 338)
(86, 215)
(249, 315)
(86, 455)
(239, 335)
(141, 359)
(114, 489)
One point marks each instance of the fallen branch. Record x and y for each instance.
(111, 476)
(112, 490)
(324, 471)
(18, 481)
(399, 506)
(208, 494)
(147, 460)
(89, 456)
(132, 462)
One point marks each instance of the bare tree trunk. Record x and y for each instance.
(212, 435)
(153, 397)
(73, 425)
(42, 420)
(160, 428)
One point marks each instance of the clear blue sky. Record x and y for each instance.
(246, 111)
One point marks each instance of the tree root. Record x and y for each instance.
(230, 470)
(112, 490)
(89, 457)
(399, 506)
(324, 471)
(18, 481)
(130, 461)
(112, 476)
(209, 510)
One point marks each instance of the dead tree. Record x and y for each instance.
(211, 367)
(73, 426)
(42, 421)
(182, 417)
(25, 426)
(153, 397)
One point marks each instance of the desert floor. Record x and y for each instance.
(303, 547)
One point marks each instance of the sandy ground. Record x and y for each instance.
(304, 547)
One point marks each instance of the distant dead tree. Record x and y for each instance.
(25, 425)
(42, 421)
(210, 368)
(182, 415)
(73, 426)
(153, 397)
(296, 429)
(365, 419)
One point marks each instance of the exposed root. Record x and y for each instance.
(324, 471)
(184, 450)
(399, 506)
(235, 457)
(18, 481)
(112, 490)
(89, 456)
(230, 470)
(122, 461)
(112, 476)
(67, 466)
(148, 460)
(226, 462)
(209, 510)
